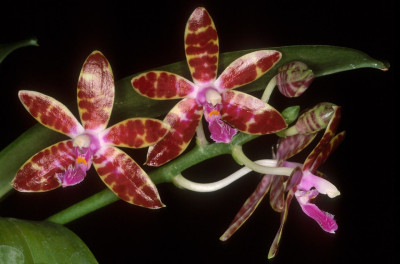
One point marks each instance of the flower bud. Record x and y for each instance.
(294, 78)
(315, 119)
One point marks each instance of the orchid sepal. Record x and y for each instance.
(125, 178)
(95, 92)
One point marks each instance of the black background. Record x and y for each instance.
(139, 36)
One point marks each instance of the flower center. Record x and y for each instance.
(214, 112)
(82, 141)
(81, 160)
(213, 97)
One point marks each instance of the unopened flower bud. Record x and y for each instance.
(315, 119)
(294, 78)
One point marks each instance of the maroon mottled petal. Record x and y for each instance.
(247, 68)
(329, 132)
(183, 119)
(201, 46)
(248, 207)
(162, 85)
(50, 113)
(277, 194)
(290, 146)
(329, 148)
(275, 244)
(249, 114)
(95, 92)
(38, 174)
(136, 132)
(125, 178)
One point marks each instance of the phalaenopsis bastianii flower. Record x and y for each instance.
(66, 163)
(225, 110)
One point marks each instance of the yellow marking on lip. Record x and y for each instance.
(213, 112)
(81, 160)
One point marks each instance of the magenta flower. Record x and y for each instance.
(66, 163)
(226, 111)
(303, 183)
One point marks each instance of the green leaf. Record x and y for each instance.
(6, 49)
(323, 60)
(291, 113)
(40, 242)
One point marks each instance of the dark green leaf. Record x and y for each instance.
(40, 242)
(291, 113)
(6, 49)
(323, 60)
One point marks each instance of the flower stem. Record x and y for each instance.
(180, 181)
(84, 207)
(268, 90)
(238, 154)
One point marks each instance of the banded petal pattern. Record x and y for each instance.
(202, 50)
(95, 92)
(201, 46)
(249, 114)
(125, 178)
(50, 113)
(247, 68)
(183, 119)
(136, 132)
(162, 85)
(326, 138)
(38, 174)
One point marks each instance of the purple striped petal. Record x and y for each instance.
(248, 207)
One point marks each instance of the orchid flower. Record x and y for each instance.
(303, 183)
(226, 111)
(66, 163)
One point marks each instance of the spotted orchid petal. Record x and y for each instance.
(248, 207)
(50, 113)
(247, 68)
(125, 178)
(39, 173)
(183, 120)
(136, 132)
(275, 244)
(324, 141)
(201, 46)
(324, 219)
(249, 114)
(162, 85)
(95, 92)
